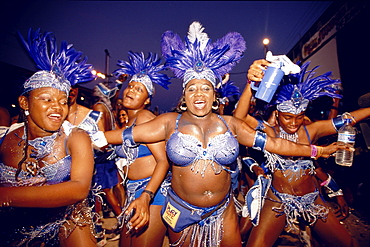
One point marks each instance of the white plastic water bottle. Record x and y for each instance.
(346, 136)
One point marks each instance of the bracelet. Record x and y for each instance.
(316, 151)
(151, 194)
(332, 187)
(313, 151)
(339, 120)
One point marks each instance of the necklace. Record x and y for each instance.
(290, 137)
(41, 147)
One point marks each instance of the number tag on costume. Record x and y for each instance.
(171, 215)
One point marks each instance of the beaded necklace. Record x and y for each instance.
(287, 136)
(42, 146)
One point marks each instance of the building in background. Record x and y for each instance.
(337, 42)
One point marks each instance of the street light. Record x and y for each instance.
(265, 42)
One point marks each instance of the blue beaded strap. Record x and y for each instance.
(337, 122)
(128, 139)
(259, 142)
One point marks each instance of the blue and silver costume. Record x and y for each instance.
(199, 58)
(186, 150)
(134, 188)
(293, 98)
(41, 225)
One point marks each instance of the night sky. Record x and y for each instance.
(121, 26)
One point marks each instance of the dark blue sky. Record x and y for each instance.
(120, 26)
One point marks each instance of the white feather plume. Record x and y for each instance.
(196, 32)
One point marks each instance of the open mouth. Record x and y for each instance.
(127, 97)
(55, 116)
(199, 104)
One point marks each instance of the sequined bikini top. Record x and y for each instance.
(51, 173)
(48, 174)
(294, 167)
(183, 149)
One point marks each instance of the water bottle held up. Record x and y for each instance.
(346, 136)
(280, 66)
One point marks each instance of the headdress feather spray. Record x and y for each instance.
(144, 70)
(59, 70)
(198, 58)
(304, 87)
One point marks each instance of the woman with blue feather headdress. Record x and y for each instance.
(201, 145)
(144, 167)
(293, 197)
(46, 163)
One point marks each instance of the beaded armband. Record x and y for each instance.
(339, 120)
(127, 138)
(250, 162)
(259, 142)
(332, 187)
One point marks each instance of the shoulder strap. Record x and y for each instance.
(223, 120)
(177, 121)
(308, 134)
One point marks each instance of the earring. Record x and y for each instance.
(183, 106)
(215, 107)
(26, 112)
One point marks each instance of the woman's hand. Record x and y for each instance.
(141, 208)
(343, 210)
(330, 150)
(256, 70)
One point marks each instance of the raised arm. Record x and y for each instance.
(259, 140)
(255, 73)
(326, 127)
(62, 194)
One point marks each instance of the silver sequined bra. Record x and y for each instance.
(183, 149)
(49, 174)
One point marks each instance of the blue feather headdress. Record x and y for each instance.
(144, 70)
(198, 58)
(227, 89)
(58, 70)
(304, 87)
